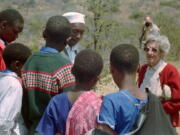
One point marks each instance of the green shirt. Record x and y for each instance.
(44, 75)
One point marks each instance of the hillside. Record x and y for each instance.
(125, 21)
(121, 21)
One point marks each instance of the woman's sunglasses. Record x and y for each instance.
(155, 50)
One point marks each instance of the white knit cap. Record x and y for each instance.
(74, 17)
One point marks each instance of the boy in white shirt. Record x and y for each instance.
(11, 122)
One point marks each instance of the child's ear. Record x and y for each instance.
(16, 65)
(111, 69)
(73, 70)
(94, 80)
(3, 25)
(44, 34)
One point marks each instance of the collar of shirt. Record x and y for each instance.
(46, 49)
(6, 71)
(156, 67)
(73, 48)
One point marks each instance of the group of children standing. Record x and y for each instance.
(57, 96)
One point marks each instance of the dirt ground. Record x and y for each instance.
(106, 85)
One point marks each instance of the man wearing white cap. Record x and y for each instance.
(78, 27)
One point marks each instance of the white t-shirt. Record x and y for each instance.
(11, 122)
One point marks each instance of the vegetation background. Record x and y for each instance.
(109, 23)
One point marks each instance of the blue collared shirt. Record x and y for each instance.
(6, 71)
(120, 110)
(46, 49)
(71, 52)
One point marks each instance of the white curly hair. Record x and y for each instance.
(162, 40)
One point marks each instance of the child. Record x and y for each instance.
(87, 68)
(11, 24)
(11, 121)
(47, 72)
(120, 110)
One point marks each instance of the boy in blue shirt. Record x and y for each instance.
(119, 110)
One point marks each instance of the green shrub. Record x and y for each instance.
(173, 3)
(170, 27)
(136, 15)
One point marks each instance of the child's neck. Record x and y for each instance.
(57, 46)
(76, 92)
(129, 82)
(131, 85)
(81, 87)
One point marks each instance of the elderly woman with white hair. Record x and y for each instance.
(161, 78)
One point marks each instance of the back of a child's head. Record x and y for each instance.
(125, 58)
(16, 52)
(88, 65)
(57, 29)
(11, 16)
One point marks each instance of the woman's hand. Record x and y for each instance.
(166, 93)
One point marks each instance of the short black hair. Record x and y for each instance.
(88, 65)
(125, 58)
(11, 16)
(57, 28)
(16, 51)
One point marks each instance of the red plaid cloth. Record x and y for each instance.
(2, 63)
(82, 116)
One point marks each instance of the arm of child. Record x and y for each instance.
(107, 116)
(106, 128)
(10, 107)
(47, 123)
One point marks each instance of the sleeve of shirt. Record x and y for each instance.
(173, 105)
(10, 106)
(107, 113)
(47, 124)
(64, 78)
